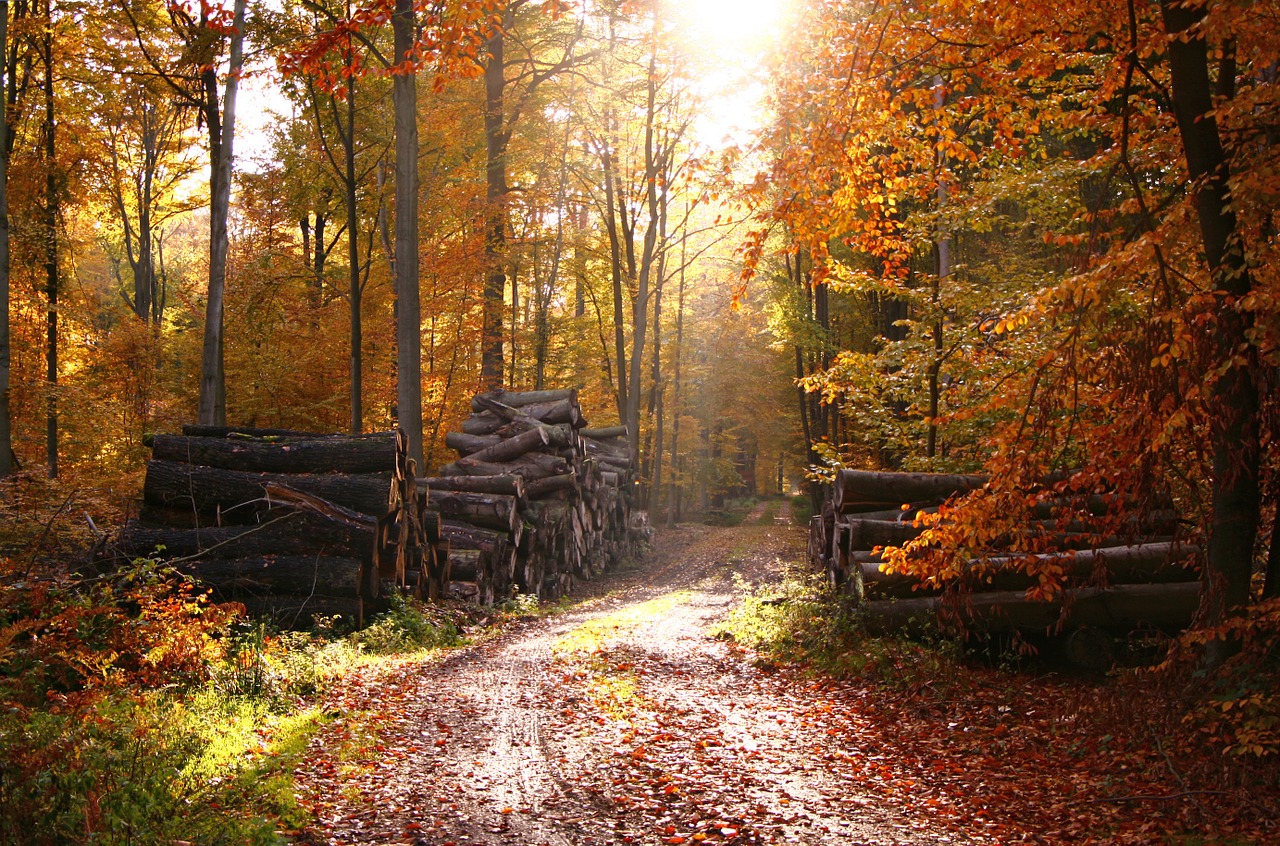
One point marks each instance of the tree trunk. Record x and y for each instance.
(324, 455)
(1125, 607)
(355, 289)
(6, 426)
(238, 496)
(289, 532)
(857, 487)
(508, 485)
(495, 246)
(408, 301)
(52, 212)
(1234, 397)
(489, 511)
(221, 127)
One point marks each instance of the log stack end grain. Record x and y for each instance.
(558, 492)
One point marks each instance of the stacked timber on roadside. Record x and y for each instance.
(292, 524)
(558, 496)
(1135, 573)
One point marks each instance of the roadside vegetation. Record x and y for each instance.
(134, 710)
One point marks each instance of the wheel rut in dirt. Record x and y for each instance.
(621, 720)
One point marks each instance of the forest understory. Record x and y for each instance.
(676, 704)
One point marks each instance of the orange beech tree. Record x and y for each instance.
(1072, 203)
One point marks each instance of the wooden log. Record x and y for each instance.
(490, 511)
(238, 495)
(604, 434)
(520, 399)
(551, 484)
(556, 411)
(466, 444)
(1123, 607)
(469, 565)
(279, 533)
(318, 455)
(197, 430)
(866, 486)
(512, 448)
(530, 466)
(504, 484)
(485, 423)
(288, 574)
(1150, 563)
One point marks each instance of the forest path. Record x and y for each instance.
(621, 720)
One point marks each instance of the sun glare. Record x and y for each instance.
(732, 28)
(728, 41)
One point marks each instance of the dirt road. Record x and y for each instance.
(622, 720)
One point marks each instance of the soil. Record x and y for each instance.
(622, 719)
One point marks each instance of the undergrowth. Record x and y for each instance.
(135, 711)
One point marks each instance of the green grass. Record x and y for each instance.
(800, 622)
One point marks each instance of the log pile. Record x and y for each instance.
(291, 524)
(535, 499)
(296, 524)
(1134, 575)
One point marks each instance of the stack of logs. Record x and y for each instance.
(1141, 576)
(560, 496)
(296, 525)
(285, 522)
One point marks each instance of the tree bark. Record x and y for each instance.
(213, 409)
(855, 487)
(1125, 606)
(1234, 396)
(408, 297)
(495, 245)
(52, 213)
(238, 496)
(6, 425)
(326, 455)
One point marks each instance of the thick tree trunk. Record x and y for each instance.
(289, 532)
(507, 485)
(495, 246)
(489, 511)
(237, 496)
(1145, 563)
(408, 297)
(327, 455)
(213, 410)
(1167, 607)
(1234, 397)
(6, 425)
(854, 488)
(52, 213)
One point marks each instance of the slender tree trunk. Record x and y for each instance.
(213, 386)
(943, 270)
(1235, 428)
(408, 297)
(640, 310)
(611, 202)
(673, 499)
(495, 247)
(51, 213)
(354, 287)
(6, 430)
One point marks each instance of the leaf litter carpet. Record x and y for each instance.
(623, 720)
(620, 721)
